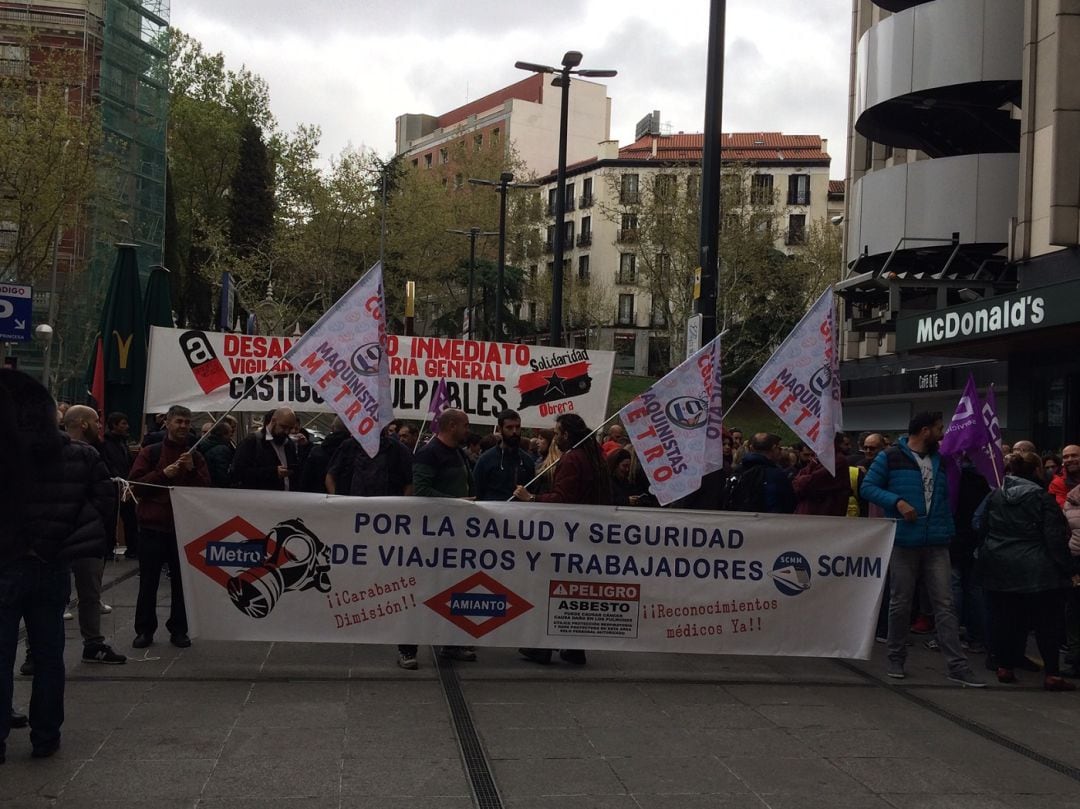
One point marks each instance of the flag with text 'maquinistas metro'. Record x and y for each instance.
(801, 380)
(343, 357)
(675, 425)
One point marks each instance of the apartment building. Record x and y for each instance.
(609, 304)
(524, 114)
(963, 213)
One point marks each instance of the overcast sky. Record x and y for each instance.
(352, 66)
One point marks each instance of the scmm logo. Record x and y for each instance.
(791, 573)
(858, 567)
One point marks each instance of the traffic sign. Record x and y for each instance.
(693, 334)
(16, 301)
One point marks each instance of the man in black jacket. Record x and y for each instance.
(52, 493)
(313, 477)
(117, 456)
(267, 459)
(505, 466)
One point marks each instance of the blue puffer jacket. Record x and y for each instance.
(893, 476)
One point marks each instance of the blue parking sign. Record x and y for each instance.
(16, 301)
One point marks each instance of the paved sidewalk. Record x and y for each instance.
(311, 725)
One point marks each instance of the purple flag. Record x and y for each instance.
(966, 433)
(440, 398)
(989, 460)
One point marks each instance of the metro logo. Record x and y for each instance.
(478, 605)
(236, 554)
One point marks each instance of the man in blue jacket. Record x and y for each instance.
(908, 482)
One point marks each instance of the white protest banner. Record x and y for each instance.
(675, 425)
(307, 567)
(343, 356)
(210, 372)
(801, 380)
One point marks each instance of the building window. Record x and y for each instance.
(444, 156)
(626, 309)
(586, 192)
(533, 273)
(663, 262)
(570, 196)
(478, 142)
(9, 234)
(658, 316)
(731, 189)
(796, 231)
(693, 186)
(532, 312)
(628, 232)
(552, 197)
(495, 138)
(761, 189)
(568, 233)
(549, 241)
(664, 186)
(427, 160)
(416, 163)
(583, 269)
(798, 192)
(585, 237)
(627, 268)
(628, 189)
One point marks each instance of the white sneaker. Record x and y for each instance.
(68, 616)
(105, 608)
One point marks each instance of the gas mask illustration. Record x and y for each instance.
(301, 561)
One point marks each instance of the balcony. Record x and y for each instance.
(584, 239)
(623, 318)
(585, 201)
(627, 235)
(795, 236)
(548, 246)
(629, 197)
(626, 277)
(570, 202)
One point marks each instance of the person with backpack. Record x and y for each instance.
(759, 484)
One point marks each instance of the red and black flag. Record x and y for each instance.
(552, 384)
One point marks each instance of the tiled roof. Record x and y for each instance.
(735, 146)
(836, 186)
(528, 89)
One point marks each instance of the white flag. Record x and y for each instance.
(801, 380)
(675, 426)
(343, 357)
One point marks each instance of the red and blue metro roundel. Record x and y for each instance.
(478, 605)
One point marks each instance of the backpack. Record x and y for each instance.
(744, 490)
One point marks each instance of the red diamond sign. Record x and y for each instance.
(478, 605)
(237, 528)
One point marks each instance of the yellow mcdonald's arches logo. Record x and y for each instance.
(124, 347)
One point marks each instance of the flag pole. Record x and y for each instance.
(236, 404)
(603, 424)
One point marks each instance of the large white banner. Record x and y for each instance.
(210, 372)
(307, 567)
(801, 380)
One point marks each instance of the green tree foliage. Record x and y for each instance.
(251, 193)
(762, 291)
(50, 152)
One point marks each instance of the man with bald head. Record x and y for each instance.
(1024, 446)
(267, 459)
(1069, 477)
(82, 424)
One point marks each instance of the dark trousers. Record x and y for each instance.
(37, 593)
(155, 549)
(131, 529)
(1011, 616)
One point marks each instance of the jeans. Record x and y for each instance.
(155, 549)
(969, 603)
(88, 573)
(905, 568)
(37, 593)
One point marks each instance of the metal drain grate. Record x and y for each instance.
(485, 793)
(974, 727)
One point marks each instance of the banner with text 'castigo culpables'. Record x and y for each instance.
(212, 371)
(268, 566)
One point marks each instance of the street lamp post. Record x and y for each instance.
(570, 60)
(472, 233)
(505, 181)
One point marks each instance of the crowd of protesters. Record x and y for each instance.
(975, 570)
